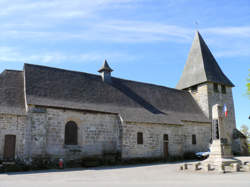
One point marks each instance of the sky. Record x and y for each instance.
(143, 40)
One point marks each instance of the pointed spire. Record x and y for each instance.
(106, 72)
(105, 67)
(201, 66)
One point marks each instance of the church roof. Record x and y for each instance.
(12, 92)
(133, 101)
(201, 67)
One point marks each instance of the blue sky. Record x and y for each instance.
(143, 40)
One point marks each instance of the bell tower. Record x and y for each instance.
(206, 82)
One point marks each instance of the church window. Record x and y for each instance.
(71, 133)
(139, 138)
(194, 88)
(165, 137)
(216, 87)
(193, 139)
(223, 89)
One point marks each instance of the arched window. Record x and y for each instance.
(70, 133)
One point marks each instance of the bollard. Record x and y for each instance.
(236, 167)
(248, 166)
(221, 168)
(181, 168)
(207, 167)
(185, 166)
(196, 166)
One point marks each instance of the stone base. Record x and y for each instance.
(219, 160)
(220, 156)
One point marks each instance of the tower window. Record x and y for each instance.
(139, 138)
(165, 137)
(193, 139)
(194, 88)
(216, 87)
(223, 89)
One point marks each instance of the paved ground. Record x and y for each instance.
(155, 175)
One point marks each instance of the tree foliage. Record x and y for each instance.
(248, 84)
(245, 130)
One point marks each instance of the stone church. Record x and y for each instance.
(56, 113)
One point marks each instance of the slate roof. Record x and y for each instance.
(133, 101)
(12, 92)
(201, 67)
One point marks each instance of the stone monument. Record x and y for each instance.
(220, 158)
(220, 149)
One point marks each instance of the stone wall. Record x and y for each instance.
(180, 139)
(152, 140)
(98, 133)
(14, 125)
(201, 97)
(206, 98)
(203, 136)
(220, 98)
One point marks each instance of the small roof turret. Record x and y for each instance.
(106, 72)
(105, 67)
(201, 67)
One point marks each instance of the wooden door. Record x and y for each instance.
(9, 147)
(165, 146)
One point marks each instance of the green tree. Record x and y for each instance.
(245, 130)
(248, 84)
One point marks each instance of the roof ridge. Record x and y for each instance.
(61, 69)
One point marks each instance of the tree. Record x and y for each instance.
(245, 130)
(248, 84)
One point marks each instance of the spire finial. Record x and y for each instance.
(196, 25)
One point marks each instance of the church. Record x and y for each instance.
(47, 112)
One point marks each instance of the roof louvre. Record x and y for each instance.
(105, 67)
(106, 72)
(201, 67)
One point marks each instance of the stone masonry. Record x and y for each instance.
(14, 125)
(206, 98)
(41, 134)
(97, 133)
(180, 139)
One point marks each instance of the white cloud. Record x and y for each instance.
(9, 54)
(243, 31)
(229, 41)
(111, 31)
(136, 31)
(57, 8)
(83, 20)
